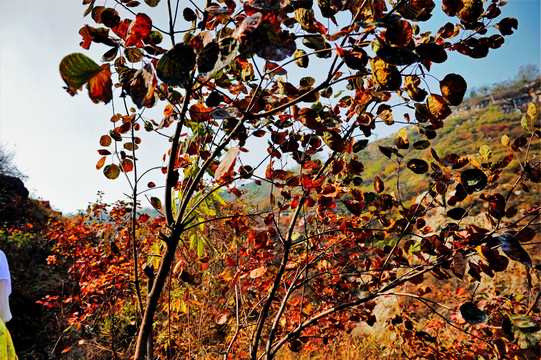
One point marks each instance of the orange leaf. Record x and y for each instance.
(200, 113)
(67, 349)
(169, 110)
(100, 163)
(438, 106)
(100, 85)
(378, 185)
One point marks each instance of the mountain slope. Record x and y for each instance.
(479, 121)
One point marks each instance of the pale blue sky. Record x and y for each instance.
(55, 136)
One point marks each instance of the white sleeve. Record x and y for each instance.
(4, 271)
(5, 313)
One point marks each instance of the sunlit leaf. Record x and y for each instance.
(470, 11)
(412, 88)
(248, 25)
(438, 106)
(386, 75)
(379, 186)
(221, 319)
(227, 165)
(505, 140)
(453, 87)
(522, 329)
(399, 33)
(485, 152)
(133, 54)
(401, 139)
(308, 22)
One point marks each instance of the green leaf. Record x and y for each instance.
(522, 329)
(152, 3)
(505, 140)
(77, 69)
(485, 152)
(111, 171)
(421, 144)
(524, 122)
(175, 65)
(532, 111)
(133, 54)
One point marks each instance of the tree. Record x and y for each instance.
(527, 73)
(7, 167)
(314, 262)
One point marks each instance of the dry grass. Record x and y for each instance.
(352, 348)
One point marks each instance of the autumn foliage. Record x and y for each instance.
(244, 89)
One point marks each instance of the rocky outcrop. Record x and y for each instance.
(12, 187)
(508, 100)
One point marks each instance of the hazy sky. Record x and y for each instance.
(55, 136)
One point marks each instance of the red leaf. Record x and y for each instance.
(139, 30)
(229, 261)
(144, 217)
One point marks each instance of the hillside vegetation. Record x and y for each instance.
(480, 121)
